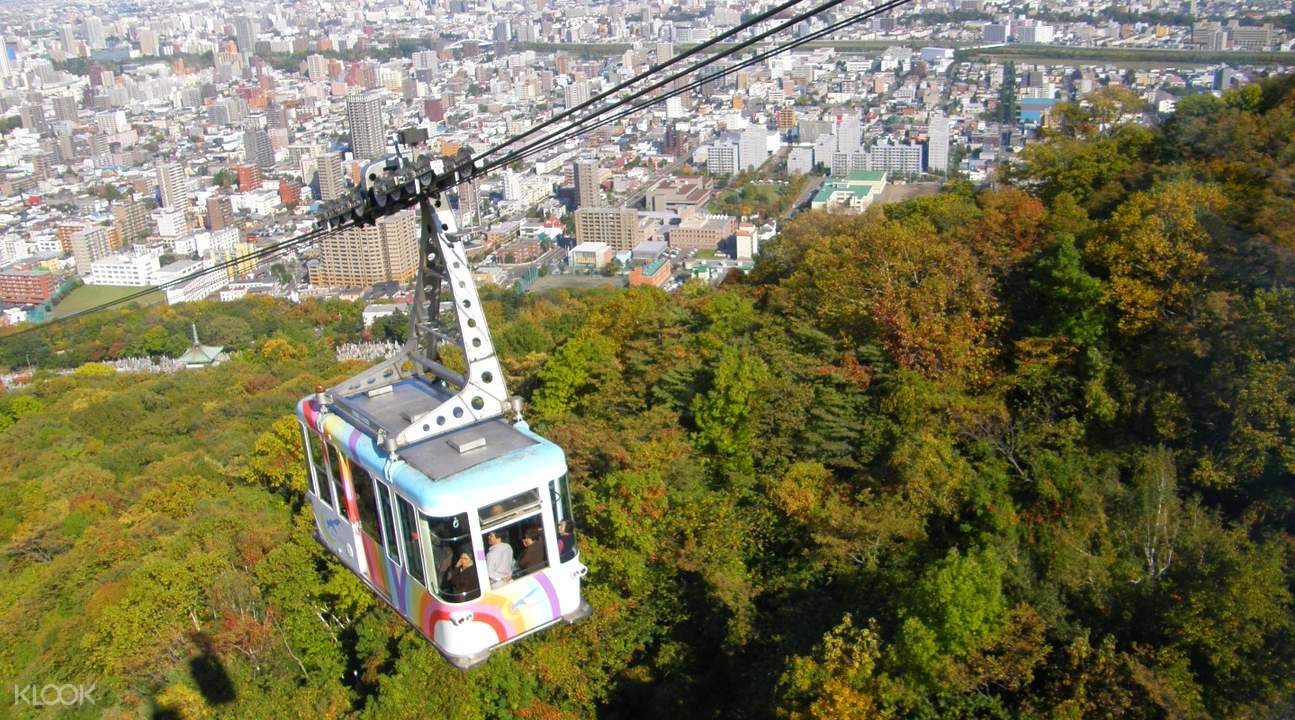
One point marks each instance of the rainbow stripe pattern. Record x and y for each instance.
(509, 611)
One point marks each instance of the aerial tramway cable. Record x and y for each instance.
(543, 142)
(574, 129)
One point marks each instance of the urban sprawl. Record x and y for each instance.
(144, 142)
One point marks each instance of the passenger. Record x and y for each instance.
(566, 541)
(496, 509)
(499, 560)
(532, 558)
(461, 580)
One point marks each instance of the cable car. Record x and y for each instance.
(452, 514)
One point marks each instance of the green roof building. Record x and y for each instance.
(855, 191)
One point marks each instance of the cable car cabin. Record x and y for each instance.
(467, 534)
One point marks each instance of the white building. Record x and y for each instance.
(753, 147)
(896, 158)
(196, 288)
(124, 270)
(722, 158)
(800, 159)
(172, 223)
(937, 146)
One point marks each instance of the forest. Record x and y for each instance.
(1021, 452)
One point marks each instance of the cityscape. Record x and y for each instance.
(147, 142)
(688, 359)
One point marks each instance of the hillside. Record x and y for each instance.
(1024, 452)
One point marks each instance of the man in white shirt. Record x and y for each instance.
(499, 560)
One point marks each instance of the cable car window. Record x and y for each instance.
(505, 527)
(365, 502)
(312, 462)
(321, 459)
(534, 556)
(506, 511)
(409, 540)
(388, 523)
(563, 520)
(452, 558)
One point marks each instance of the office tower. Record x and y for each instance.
(245, 34)
(4, 59)
(937, 144)
(89, 244)
(174, 185)
(589, 192)
(361, 256)
(92, 27)
(256, 144)
(331, 185)
(368, 133)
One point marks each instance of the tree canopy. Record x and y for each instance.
(1026, 452)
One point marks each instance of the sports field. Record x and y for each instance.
(88, 296)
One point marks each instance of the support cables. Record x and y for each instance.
(582, 126)
(762, 17)
(261, 254)
(393, 193)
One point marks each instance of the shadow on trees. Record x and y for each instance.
(209, 674)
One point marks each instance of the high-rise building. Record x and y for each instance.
(174, 185)
(589, 192)
(33, 118)
(576, 93)
(65, 108)
(896, 158)
(434, 109)
(753, 147)
(331, 185)
(368, 132)
(256, 144)
(245, 34)
(89, 244)
(220, 212)
(248, 177)
(362, 256)
(68, 35)
(92, 27)
(937, 144)
(4, 59)
(289, 192)
(148, 42)
(130, 218)
(317, 68)
(722, 158)
(786, 119)
(618, 227)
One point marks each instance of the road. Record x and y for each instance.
(815, 182)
